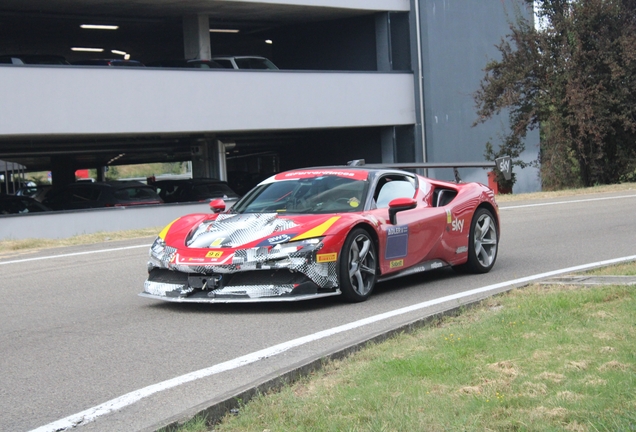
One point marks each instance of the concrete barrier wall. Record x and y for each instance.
(75, 100)
(64, 224)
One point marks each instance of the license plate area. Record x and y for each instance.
(203, 282)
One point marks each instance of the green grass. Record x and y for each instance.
(541, 358)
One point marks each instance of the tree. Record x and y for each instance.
(575, 78)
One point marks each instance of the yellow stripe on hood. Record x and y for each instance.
(164, 231)
(317, 231)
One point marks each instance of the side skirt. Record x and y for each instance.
(419, 268)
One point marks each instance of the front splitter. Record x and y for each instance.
(294, 298)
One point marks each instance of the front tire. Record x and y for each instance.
(358, 265)
(483, 242)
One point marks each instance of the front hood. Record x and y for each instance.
(262, 229)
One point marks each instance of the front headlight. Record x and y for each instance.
(158, 254)
(158, 248)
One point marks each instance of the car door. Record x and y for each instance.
(418, 231)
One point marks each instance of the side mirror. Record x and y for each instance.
(217, 205)
(398, 205)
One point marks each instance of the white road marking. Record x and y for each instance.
(74, 254)
(567, 202)
(93, 413)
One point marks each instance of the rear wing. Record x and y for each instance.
(503, 164)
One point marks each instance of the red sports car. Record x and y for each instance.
(324, 231)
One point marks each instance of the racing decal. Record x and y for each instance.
(396, 264)
(352, 174)
(449, 218)
(458, 225)
(214, 254)
(396, 242)
(328, 257)
(234, 230)
(217, 242)
(164, 231)
(462, 249)
(278, 239)
(319, 230)
(354, 202)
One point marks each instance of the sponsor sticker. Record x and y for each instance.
(214, 254)
(196, 259)
(354, 202)
(277, 239)
(329, 257)
(449, 218)
(396, 264)
(397, 242)
(283, 238)
(462, 249)
(458, 225)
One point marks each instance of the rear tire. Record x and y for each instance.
(483, 242)
(358, 266)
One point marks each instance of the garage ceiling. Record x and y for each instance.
(218, 10)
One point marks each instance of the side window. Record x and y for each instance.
(84, 194)
(391, 187)
(443, 196)
(225, 63)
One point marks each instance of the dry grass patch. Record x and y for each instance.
(551, 376)
(569, 396)
(505, 367)
(533, 390)
(623, 187)
(603, 335)
(14, 247)
(577, 365)
(613, 366)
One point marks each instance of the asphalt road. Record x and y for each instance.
(75, 334)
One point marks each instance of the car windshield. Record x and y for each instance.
(213, 190)
(325, 194)
(254, 63)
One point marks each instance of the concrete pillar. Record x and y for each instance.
(383, 41)
(222, 148)
(101, 173)
(387, 141)
(62, 170)
(205, 156)
(196, 36)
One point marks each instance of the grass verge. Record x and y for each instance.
(11, 247)
(541, 358)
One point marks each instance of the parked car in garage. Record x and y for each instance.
(33, 59)
(196, 189)
(108, 62)
(12, 204)
(84, 195)
(37, 192)
(189, 64)
(245, 62)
